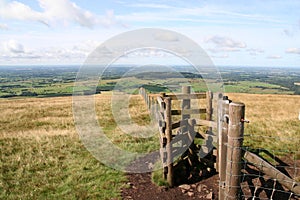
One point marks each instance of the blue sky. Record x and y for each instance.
(240, 33)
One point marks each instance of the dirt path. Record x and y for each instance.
(140, 187)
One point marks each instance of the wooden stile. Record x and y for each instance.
(229, 152)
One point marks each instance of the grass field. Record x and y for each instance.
(274, 123)
(42, 156)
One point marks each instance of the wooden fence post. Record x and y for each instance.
(168, 118)
(209, 109)
(186, 103)
(186, 129)
(234, 150)
(223, 139)
(219, 114)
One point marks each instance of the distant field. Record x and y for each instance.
(43, 158)
(255, 87)
(50, 81)
(129, 84)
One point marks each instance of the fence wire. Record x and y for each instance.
(257, 185)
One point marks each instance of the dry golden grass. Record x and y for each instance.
(274, 122)
(36, 117)
(42, 156)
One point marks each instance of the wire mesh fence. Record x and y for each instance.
(274, 174)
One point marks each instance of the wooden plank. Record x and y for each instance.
(163, 141)
(186, 139)
(181, 123)
(178, 138)
(188, 112)
(219, 115)
(162, 94)
(163, 156)
(154, 95)
(186, 103)
(274, 173)
(168, 119)
(222, 143)
(204, 135)
(162, 131)
(209, 111)
(149, 102)
(178, 124)
(162, 123)
(201, 122)
(187, 96)
(224, 137)
(161, 102)
(234, 150)
(160, 116)
(191, 130)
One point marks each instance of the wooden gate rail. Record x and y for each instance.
(272, 172)
(166, 125)
(228, 116)
(228, 122)
(164, 113)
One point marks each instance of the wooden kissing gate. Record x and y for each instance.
(224, 121)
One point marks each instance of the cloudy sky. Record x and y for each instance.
(240, 33)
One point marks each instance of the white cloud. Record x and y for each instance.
(3, 27)
(274, 57)
(223, 49)
(65, 11)
(220, 41)
(56, 11)
(224, 44)
(293, 50)
(19, 11)
(12, 46)
(150, 52)
(255, 51)
(14, 52)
